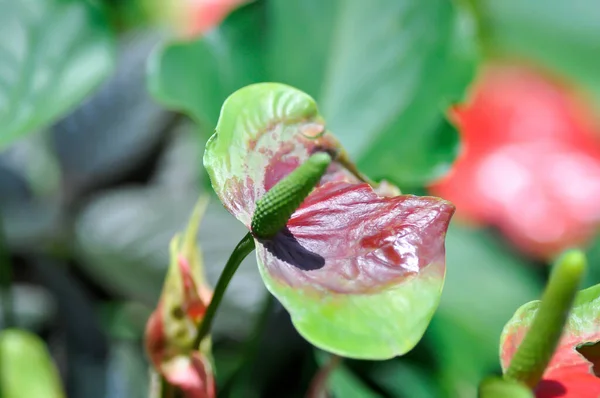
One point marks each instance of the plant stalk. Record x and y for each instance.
(538, 345)
(167, 390)
(318, 386)
(497, 387)
(243, 248)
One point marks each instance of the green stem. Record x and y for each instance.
(538, 346)
(318, 386)
(6, 281)
(167, 390)
(243, 248)
(496, 387)
(343, 159)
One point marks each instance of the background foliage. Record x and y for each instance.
(119, 107)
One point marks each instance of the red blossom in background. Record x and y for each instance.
(189, 19)
(200, 16)
(530, 163)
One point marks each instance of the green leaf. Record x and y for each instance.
(26, 369)
(382, 73)
(57, 52)
(560, 35)
(427, 156)
(197, 76)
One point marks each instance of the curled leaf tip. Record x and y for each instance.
(538, 346)
(275, 208)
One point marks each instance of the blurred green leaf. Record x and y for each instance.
(485, 284)
(124, 320)
(382, 73)
(122, 240)
(400, 378)
(34, 306)
(197, 76)
(341, 381)
(93, 149)
(127, 372)
(558, 34)
(426, 155)
(26, 369)
(53, 54)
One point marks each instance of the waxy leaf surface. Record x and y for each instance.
(361, 274)
(571, 372)
(383, 72)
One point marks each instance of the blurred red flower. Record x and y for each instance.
(530, 163)
(199, 16)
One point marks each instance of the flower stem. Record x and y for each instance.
(343, 159)
(243, 248)
(496, 387)
(167, 390)
(318, 386)
(538, 345)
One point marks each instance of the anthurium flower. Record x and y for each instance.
(172, 327)
(573, 370)
(530, 163)
(359, 269)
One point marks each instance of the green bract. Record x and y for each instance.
(360, 270)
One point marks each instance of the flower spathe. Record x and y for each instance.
(172, 327)
(571, 372)
(359, 269)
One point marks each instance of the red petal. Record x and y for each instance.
(192, 375)
(572, 382)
